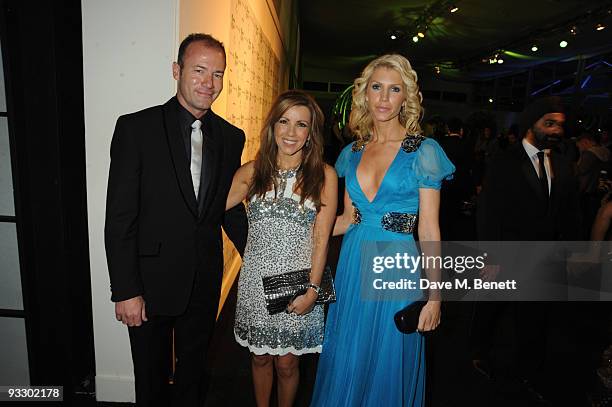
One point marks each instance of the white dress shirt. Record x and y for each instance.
(532, 153)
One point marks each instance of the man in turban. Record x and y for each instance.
(529, 194)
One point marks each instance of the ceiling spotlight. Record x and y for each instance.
(600, 27)
(495, 59)
(421, 34)
(437, 69)
(393, 36)
(490, 100)
(415, 38)
(573, 30)
(534, 48)
(563, 44)
(454, 9)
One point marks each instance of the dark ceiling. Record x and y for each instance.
(343, 35)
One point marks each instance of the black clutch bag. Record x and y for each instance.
(281, 289)
(407, 319)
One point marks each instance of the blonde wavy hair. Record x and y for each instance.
(361, 122)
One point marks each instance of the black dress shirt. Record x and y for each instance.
(186, 119)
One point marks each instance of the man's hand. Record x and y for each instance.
(131, 312)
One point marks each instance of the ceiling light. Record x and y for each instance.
(454, 9)
(437, 69)
(490, 100)
(573, 30)
(563, 44)
(496, 58)
(534, 48)
(395, 34)
(421, 34)
(415, 38)
(600, 27)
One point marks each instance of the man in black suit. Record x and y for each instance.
(529, 194)
(456, 221)
(171, 170)
(517, 202)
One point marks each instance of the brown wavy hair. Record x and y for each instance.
(360, 121)
(311, 173)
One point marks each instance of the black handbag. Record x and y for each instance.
(407, 319)
(281, 289)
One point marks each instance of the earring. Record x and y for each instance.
(307, 143)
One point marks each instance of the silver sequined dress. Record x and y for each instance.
(279, 240)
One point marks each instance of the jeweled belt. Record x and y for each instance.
(398, 222)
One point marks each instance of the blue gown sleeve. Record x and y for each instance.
(343, 161)
(431, 165)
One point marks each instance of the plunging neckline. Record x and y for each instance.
(382, 182)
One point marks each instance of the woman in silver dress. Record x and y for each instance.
(291, 195)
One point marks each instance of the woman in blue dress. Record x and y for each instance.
(392, 173)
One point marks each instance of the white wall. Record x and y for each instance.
(128, 49)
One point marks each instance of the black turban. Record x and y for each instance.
(538, 108)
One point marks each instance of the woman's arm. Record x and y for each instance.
(429, 231)
(344, 220)
(429, 209)
(602, 222)
(240, 185)
(322, 229)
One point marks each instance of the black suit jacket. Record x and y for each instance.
(156, 237)
(511, 205)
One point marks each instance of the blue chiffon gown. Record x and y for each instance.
(366, 361)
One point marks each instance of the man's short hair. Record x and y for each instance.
(514, 129)
(207, 39)
(454, 125)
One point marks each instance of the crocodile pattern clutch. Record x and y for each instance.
(281, 289)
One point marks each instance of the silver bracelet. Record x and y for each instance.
(315, 287)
